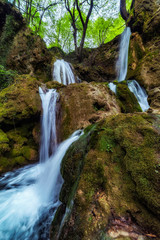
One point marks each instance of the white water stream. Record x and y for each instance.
(29, 196)
(113, 87)
(63, 73)
(122, 63)
(122, 66)
(139, 93)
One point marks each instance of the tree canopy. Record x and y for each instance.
(74, 24)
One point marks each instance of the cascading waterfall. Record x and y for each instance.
(122, 66)
(122, 63)
(139, 93)
(29, 196)
(63, 73)
(48, 137)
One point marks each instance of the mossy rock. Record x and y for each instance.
(20, 100)
(128, 102)
(7, 164)
(112, 175)
(18, 147)
(98, 100)
(20, 110)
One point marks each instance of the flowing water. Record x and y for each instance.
(48, 125)
(122, 66)
(29, 196)
(139, 93)
(63, 73)
(122, 63)
(113, 87)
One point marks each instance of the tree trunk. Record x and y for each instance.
(82, 44)
(123, 10)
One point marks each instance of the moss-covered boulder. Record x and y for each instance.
(20, 108)
(20, 101)
(83, 104)
(111, 181)
(128, 101)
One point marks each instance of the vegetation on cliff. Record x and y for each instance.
(112, 173)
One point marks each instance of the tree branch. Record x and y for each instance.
(123, 10)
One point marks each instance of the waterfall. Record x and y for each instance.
(48, 136)
(63, 73)
(122, 63)
(29, 196)
(139, 93)
(122, 66)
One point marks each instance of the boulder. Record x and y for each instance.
(83, 104)
(111, 181)
(20, 108)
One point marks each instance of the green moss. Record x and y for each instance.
(73, 158)
(7, 164)
(17, 103)
(16, 136)
(4, 142)
(104, 183)
(3, 137)
(128, 101)
(6, 77)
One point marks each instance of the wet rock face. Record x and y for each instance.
(128, 101)
(112, 181)
(144, 54)
(20, 48)
(29, 54)
(154, 100)
(99, 64)
(20, 108)
(83, 104)
(11, 23)
(143, 65)
(146, 18)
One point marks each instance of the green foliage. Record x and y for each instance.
(54, 24)
(103, 31)
(6, 77)
(61, 35)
